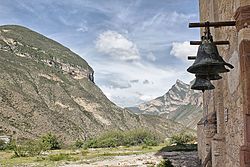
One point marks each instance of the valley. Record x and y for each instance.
(45, 87)
(49, 103)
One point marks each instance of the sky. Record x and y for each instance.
(137, 48)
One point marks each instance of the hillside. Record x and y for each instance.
(45, 87)
(180, 104)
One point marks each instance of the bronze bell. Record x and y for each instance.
(208, 60)
(209, 77)
(202, 84)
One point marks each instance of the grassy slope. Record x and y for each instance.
(31, 104)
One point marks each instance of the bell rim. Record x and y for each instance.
(196, 86)
(206, 88)
(209, 77)
(195, 69)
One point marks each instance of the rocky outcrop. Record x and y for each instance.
(18, 48)
(180, 103)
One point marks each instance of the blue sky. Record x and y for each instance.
(137, 48)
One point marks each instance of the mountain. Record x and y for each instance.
(45, 87)
(180, 104)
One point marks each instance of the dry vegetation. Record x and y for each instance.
(46, 150)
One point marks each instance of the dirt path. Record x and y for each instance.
(179, 159)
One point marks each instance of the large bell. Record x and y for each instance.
(209, 77)
(202, 84)
(208, 60)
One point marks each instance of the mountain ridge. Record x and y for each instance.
(45, 87)
(180, 103)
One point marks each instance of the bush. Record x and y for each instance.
(3, 145)
(108, 139)
(165, 163)
(50, 142)
(79, 144)
(182, 138)
(91, 143)
(140, 137)
(27, 149)
(129, 138)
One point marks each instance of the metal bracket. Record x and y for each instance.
(215, 42)
(207, 33)
(191, 57)
(212, 24)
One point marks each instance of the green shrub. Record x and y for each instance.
(91, 143)
(79, 144)
(140, 137)
(111, 139)
(182, 138)
(108, 139)
(128, 138)
(3, 145)
(27, 149)
(50, 142)
(165, 163)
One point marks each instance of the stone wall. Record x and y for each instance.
(229, 144)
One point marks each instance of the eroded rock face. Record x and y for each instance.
(180, 94)
(44, 87)
(180, 103)
(27, 50)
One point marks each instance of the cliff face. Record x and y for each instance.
(44, 87)
(180, 104)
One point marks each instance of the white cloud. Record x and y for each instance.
(168, 18)
(151, 57)
(178, 17)
(83, 27)
(182, 50)
(117, 46)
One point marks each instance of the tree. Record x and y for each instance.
(50, 141)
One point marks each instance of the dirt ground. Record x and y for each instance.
(179, 159)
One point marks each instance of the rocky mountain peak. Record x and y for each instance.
(179, 82)
(178, 100)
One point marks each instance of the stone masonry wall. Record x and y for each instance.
(227, 100)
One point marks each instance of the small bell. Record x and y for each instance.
(202, 84)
